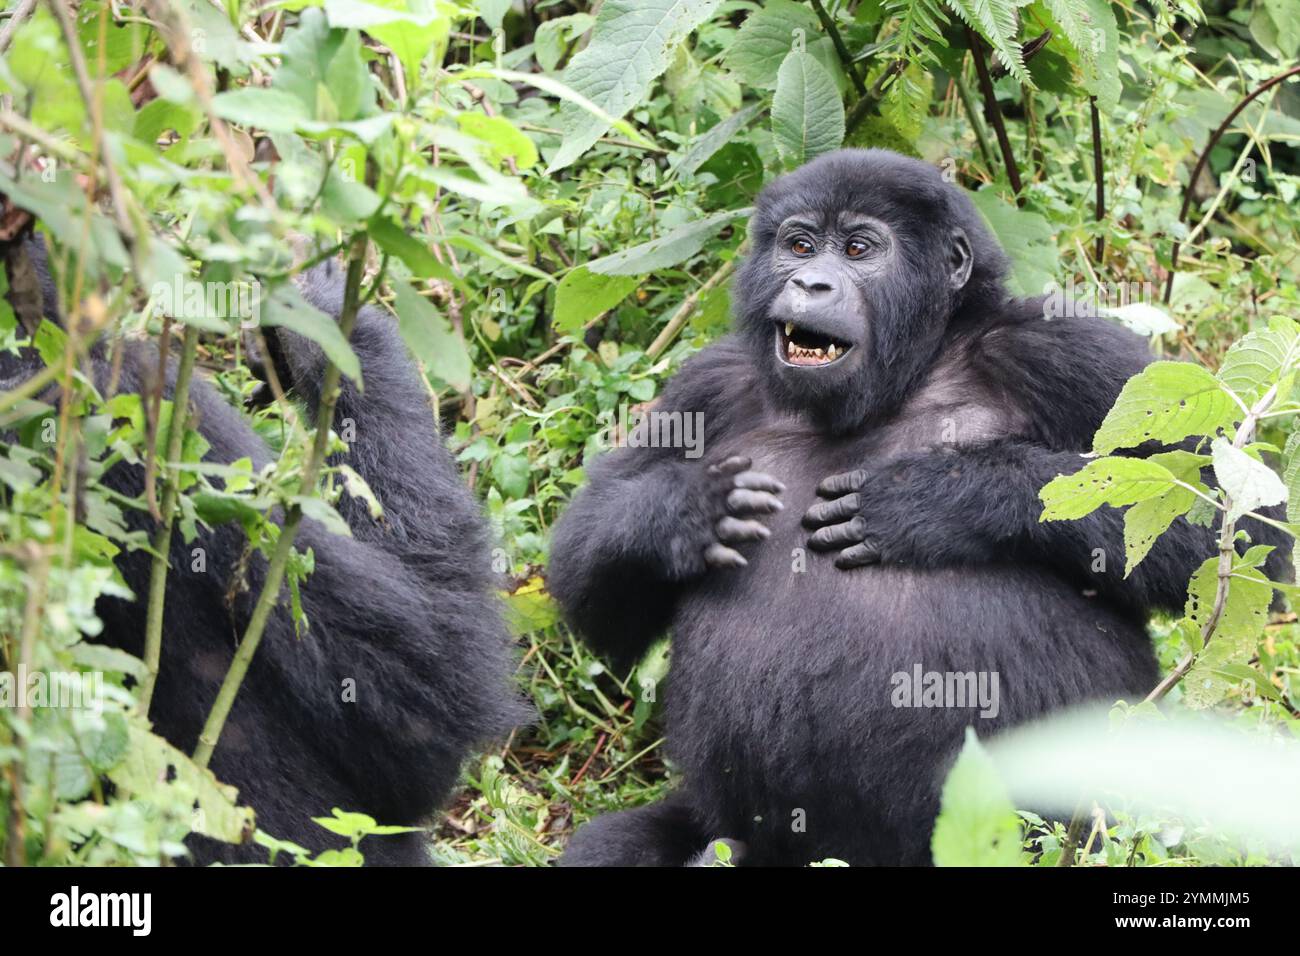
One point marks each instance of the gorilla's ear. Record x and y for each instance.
(960, 259)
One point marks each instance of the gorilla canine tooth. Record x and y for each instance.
(831, 352)
(789, 328)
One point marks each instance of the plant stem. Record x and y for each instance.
(993, 113)
(843, 51)
(270, 594)
(976, 122)
(683, 313)
(1204, 158)
(1099, 172)
(1227, 532)
(163, 535)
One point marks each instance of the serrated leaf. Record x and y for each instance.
(668, 250)
(765, 39)
(632, 43)
(1260, 359)
(997, 22)
(430, 337)
(1106, 481)
(1250, 483)
(582, 295)
(977, 824)
(1148, 519)
(1245, 613)
(807, 112)
(1165, 402)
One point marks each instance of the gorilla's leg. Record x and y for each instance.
(660, 834)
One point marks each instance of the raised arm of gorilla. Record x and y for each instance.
(404, 667)
(967, 504)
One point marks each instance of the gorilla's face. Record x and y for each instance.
(860, 261)
(821, 317)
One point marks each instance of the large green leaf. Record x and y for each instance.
(1106, 481)
(668, 250)
(632, 43)
(1250, 483)
(765, 39)
(1165, 402)
(1151, 517)
(582, 295)
(1261, 359)
(807, 112)
(1028, 239)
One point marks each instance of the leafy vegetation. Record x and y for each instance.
(550, 195)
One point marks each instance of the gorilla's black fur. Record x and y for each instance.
(947, 405)
(405, 608)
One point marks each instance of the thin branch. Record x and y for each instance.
(993, 113)
(1099, 172)
(1204, 158)
(683, 313)
(976, 122)
(16, 20)
(1227, 551)
(163, 535)
(843, 51)
(270, 595)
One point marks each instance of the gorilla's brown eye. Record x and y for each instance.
(856, 249)
(801, 247)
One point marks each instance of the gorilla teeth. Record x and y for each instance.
(831, 352)
(789, 329)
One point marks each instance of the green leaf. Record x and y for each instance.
(807, 112)
(1150, 518)
(1165, 402)
(1261, 359)
(668, 250)
(997, 22)
(503, 138)
(632, 43)
(276, 111)
(977, 824)
(1106, 481)
(582, 295)
(286, 307)
(708, 143)
(765, 39)
(412, 29)
(430, 337)
(1027, 237)
(1250, 483)
(1245, 614)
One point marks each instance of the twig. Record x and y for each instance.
(683, 313)
(16, 20)
(1227, 552)
(163, 535)
(1204, 158)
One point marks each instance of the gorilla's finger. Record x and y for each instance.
(720, 556)
(832, 512)
(744, 503)
(758, 481)
(735, 531)
(837, 485)
(730, 466)
(836, 536)
(858, 556)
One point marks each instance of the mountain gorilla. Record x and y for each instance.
(886, 404)
(405, 664)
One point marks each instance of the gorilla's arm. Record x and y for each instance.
(430, 519)
(979, 503)
(651, 520)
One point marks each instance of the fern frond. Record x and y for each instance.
(996, 21)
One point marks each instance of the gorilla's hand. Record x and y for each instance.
(732, 496)
(868, 517)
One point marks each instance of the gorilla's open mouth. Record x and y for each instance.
(804, 347)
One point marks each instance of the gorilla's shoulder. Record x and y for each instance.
(1065, 367)
(718, 379)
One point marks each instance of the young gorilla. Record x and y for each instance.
(404, 609)
(886, 403)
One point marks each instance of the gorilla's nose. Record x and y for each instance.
(813, 283)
